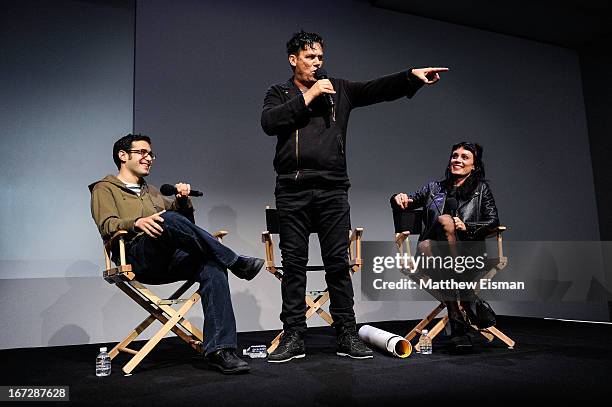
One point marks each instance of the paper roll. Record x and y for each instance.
(392, 343)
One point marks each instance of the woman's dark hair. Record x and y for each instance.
(125, 144)
(478, 174)
(301, 40)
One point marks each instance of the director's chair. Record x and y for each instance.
(172, 319)
(409, 222)
(317, 298)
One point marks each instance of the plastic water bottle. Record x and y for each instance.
(425, 343)
(256, 351)
(103, 363)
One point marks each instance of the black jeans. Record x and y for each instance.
(326, 211)
(184, 251)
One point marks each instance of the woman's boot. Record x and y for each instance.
(459, 338)
(479, 313)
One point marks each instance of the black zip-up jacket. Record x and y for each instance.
(478, 211)
(310, 144)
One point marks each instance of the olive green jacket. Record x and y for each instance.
(115, 207)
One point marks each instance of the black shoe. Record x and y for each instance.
(351, 345)
(461, 344)
(291, 346)
(458, 325)
(246, 267)
(227, 361)
(479, 313)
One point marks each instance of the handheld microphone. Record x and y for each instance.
(451, 205)
(322, 74)
(169, 190)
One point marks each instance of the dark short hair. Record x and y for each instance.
(125, 144)
(478, 175)
(301, 40)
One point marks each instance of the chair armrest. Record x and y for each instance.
(266, 237)
(403, 250)
(355, 248)
(400, 238)
(108, 245)
(110, 242)
(497, 231)
(356, 234)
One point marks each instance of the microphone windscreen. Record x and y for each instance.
(167, 190)
(451, 205)
(320, 74)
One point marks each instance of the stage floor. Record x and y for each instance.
(553, 360)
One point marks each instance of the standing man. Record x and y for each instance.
(309, 115)
(165, 245)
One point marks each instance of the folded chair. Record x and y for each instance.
(172, 319)
(314, 299)
(409, 222)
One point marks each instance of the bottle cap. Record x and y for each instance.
(103, 349)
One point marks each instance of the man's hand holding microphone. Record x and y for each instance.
(151, 225)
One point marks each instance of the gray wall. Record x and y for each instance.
(66, 69)
(200, 98)
(201, 71)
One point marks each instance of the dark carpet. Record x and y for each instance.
(557, 361)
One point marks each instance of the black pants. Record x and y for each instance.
(326, 211)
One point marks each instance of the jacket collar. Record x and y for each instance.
(474, 195)
(439, 198)
(291, 88)
(112, 179)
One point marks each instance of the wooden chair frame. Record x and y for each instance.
(314, 299)
(172, 319)
(403, 246)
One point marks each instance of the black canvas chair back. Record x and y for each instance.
(272, 223)
(408, 220)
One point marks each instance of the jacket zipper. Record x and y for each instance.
(297, 153)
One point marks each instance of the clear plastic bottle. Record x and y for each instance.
(256, 351)
(425, 347)
(103, 363)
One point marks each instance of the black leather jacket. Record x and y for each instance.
(478, 212)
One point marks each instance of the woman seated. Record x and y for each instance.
(459, 208)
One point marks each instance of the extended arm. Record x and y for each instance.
(391, 87)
